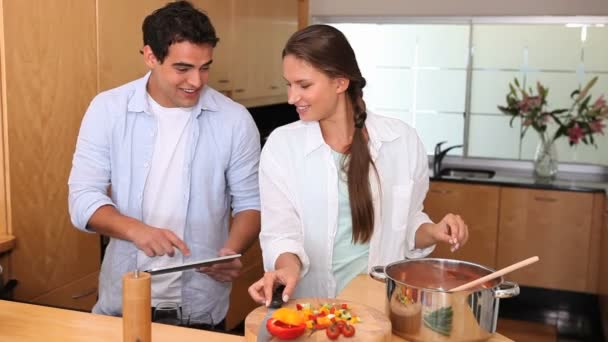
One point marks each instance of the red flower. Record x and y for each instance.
(597, 126)
(575, 133)
(599, 103)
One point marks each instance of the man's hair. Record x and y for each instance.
(174, 23)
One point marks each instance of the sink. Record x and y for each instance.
(467, 173)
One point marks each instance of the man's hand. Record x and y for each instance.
(224, 272)
(157, 241)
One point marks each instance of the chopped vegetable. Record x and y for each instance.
(283, 330)
(329, 317)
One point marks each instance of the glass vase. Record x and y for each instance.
(545, 159)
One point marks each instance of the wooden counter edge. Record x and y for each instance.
(7, 242)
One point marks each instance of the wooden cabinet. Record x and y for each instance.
(120, 40)
(80, 294)
(603, 271)
(49, 75)
(567, 230)
(478, 206)
(241, 303)
(560, 228)
(221, 14)
(261, 30)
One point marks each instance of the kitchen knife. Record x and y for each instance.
(275, 303)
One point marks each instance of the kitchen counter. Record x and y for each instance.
(531, 182)
(519, 173)
(26, 322)
(7, 242)
(365, 290)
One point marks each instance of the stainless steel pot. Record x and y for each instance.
(422, 310)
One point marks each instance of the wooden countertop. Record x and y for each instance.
(365, 290)
(21, 322)
(7, 242)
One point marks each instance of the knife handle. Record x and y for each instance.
(277, 297)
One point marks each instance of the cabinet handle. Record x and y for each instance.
(223, 81)
(441, 192)
(274, 87)
(85, 293)
(545, 199)
(239, 90)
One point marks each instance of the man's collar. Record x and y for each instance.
(139, 103)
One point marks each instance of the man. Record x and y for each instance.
(177, 156)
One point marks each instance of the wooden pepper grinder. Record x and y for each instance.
(136, 303)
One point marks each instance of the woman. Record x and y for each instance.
(341, 189)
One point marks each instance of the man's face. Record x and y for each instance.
(180, 78)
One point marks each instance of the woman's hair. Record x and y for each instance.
(328, 50)
(177, 22)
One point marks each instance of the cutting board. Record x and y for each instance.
(374, 325)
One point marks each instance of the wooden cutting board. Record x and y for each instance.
(374, 325)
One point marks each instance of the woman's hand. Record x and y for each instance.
(451, 229)
(287, 272)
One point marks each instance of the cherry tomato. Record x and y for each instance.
(348, 330)
(332, 332)
(284, 331)
(340, 324)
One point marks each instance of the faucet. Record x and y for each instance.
(439, 155)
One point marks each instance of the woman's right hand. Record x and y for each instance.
(261, 290)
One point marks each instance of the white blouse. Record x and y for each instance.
(299, 198)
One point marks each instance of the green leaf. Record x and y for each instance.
(574, 93)
(440, 320)
(516, 82)
(511, 121)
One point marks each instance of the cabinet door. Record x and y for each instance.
(478, 206)
(283, 24)
(221, 14)
(121, 39)
(246, 50)
(262, 28)
(50, 77)
(556, 226)
(603, 273)
(80, 294)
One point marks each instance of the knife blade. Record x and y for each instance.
(275, 303)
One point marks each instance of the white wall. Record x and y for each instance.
(458, 7)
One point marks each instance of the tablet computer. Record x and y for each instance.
(193, 264)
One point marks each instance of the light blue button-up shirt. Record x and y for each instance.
(115, 147)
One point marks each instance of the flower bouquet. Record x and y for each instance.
(579, 123)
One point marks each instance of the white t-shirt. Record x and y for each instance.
(163, 199)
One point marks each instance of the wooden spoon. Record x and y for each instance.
(496, 274)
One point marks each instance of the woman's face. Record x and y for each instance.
(315, 95)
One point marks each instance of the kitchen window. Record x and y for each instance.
(446, 76)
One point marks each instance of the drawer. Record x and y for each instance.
(80, 294)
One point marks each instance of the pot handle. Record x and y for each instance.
(506, 289)
(377, 273)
